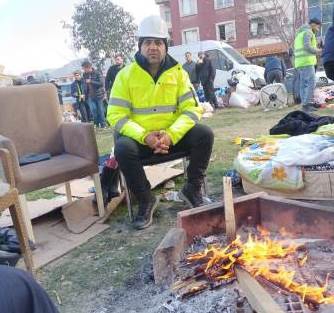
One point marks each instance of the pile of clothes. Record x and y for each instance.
(324, 95)
(10, 251)
(299, 141)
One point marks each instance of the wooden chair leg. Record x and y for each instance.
(26, 217)
(68, 192)
(22, 233)
(127, 197)
(185, 166)
(98, 192)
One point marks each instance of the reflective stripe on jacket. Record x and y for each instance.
(138, 105)
(303, 57)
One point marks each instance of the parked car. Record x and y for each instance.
(66, 93)
(322, 79)
(225, 59)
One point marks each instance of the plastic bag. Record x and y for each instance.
(238, 101)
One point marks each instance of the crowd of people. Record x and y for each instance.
(92, 92)
(306, 53)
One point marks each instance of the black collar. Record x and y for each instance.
(165, 65)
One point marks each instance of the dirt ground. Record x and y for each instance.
(112, 272)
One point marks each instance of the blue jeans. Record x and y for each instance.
(307, 84)
(97, 111)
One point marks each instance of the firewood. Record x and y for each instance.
(259, 299)
(229, 209)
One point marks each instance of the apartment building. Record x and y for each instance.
(194, 20)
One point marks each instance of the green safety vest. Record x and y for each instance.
(139, 106)
(303, 57)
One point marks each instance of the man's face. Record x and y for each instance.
(154, 50)
(119, 60)
(188, 57)
(315, 27)
(87, 69)
(77, 76)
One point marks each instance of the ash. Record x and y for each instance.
(223, 300)
(141, 295)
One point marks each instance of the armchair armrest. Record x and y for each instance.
(79, 139)
(10, 150)
(7, 166)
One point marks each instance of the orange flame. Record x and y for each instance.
(258, 256)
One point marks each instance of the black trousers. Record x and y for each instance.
(20, 293)
(329, 68)
(83, 108)
(274, 76)
(209, 93)
(198, 142)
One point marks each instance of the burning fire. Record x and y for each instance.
(260, 257)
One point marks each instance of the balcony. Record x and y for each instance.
(161, 1)
(265, 5)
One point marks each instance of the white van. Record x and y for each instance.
(225, 59)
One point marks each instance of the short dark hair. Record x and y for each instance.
(188, 52)
(86, 63)
(118, 55)
(315, 20)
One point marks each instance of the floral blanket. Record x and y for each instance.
(276, 163)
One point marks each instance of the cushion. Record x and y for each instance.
(58, 169)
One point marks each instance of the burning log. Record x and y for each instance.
(191, 288)
(257, 296)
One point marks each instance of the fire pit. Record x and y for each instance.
(309, 229)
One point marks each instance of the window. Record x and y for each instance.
(236, 55)
(190, 35)
(167, 16)
(221, 4)
(259, 27)
(226, 31)
(219, 60)
(188, 7)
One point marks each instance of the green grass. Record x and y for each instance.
(109, 261)
(46, 193)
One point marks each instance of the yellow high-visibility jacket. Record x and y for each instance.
(138, 105)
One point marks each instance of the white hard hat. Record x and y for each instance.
(153, 26)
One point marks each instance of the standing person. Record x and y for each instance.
(31, 80)
(190, 67)
(154, 110)
(77, 92)
(59, 91)
(275, 70)
(206, 75)
(94, 93)
(20, 293)
(305, 52)
(328, 52)
(112, 72)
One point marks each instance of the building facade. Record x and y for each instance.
(272, 27)
(197, 20)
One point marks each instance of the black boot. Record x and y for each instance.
(147, 203)
(192, 195)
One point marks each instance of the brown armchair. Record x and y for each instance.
(30, 122)
(9, 198)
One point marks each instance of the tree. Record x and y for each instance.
(283, 17)
(104, 29)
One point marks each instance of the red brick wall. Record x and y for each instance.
(206, 19)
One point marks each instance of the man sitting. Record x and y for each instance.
(20, 293)
(154, 110)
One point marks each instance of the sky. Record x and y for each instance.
(32, 36)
